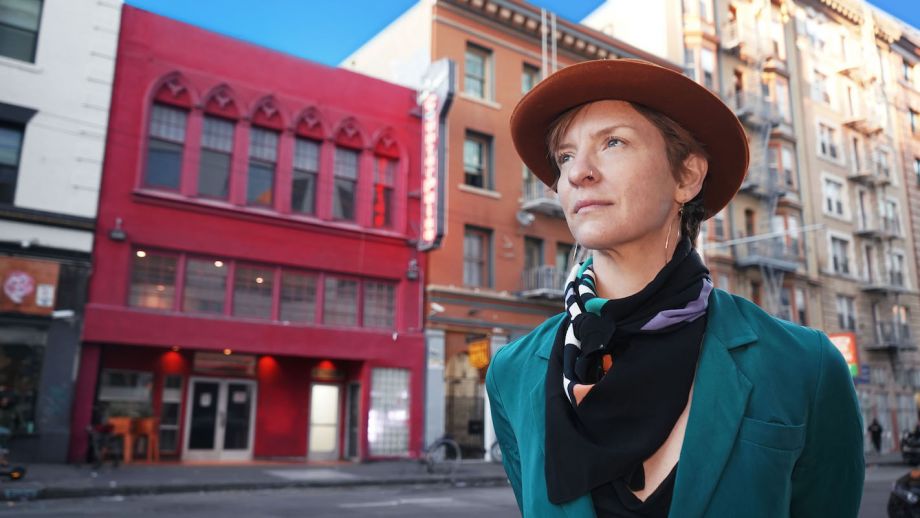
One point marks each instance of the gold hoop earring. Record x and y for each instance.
(667, 241)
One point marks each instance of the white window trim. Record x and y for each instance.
(851, 257)
(837, 141)
(897, 213)
(855, 315)
(866, 274)
(870, 215)
(906, 271)
(844, 194)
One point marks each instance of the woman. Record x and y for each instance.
(654, 394)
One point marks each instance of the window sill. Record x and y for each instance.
(481, 192)
(242, 211)
(25, 66)
(845, 218)
(830, 159)
(478, 100)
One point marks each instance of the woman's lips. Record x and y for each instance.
(588, 205)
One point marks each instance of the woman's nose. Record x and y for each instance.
(581, 170)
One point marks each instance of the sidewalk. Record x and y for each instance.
(81, 481)
(885, 459)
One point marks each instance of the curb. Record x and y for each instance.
(18, 494)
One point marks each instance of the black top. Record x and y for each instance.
(616, 500)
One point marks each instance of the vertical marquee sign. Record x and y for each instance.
(434, 98)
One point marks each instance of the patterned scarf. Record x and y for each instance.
(632, 362)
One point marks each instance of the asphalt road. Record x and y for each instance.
(419, 501)
(412, 501)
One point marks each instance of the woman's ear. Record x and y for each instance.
(692, 177)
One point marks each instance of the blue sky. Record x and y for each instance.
(328, 31)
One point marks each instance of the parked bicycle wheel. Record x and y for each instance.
(496, 452)
(443, 457)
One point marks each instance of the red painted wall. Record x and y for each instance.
(165, 59)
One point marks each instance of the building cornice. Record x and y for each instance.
(577, 39)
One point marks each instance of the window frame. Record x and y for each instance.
(229, 154)
(177, 286)
(21, 129)
(486, 159)
(295, 170)
(181, 143)
(484, 260)
(485, 54)
(252, 160)
(355, 183)
(37, 32)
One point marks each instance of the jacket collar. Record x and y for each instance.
(720, 395)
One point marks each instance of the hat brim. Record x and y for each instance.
(675, 95)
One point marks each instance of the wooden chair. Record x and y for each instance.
(121, 426)
(149, 428)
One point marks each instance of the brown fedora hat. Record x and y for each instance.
(675, 95)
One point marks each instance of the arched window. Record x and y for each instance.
(217, 136)
(263, 153)
(166, 134)
(347, 164)
(386, 163)
(305, 174)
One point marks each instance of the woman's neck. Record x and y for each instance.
(625, 270)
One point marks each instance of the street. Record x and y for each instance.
(408, 501)
(877, 488)
(404, 501)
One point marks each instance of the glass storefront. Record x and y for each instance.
(20, 372)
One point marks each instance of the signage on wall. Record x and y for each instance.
(326, 371)
(846, 344)
(216, 363)
(434, 98)
(479, 353)
(28, 286)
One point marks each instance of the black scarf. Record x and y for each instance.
(654, 339)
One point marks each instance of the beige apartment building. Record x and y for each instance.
(825, 229)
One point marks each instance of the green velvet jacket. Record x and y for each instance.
(774, 427)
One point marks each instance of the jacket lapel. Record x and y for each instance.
(720, 396)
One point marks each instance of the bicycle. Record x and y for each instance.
(442, 456)
(495, 453)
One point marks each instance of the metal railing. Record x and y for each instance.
(543, 281)
(892, 333)
(773, 252)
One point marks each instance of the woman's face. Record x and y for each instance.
(615, 183)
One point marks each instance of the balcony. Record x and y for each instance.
(740, 38)
(853, 66)
(763, 182)
(771, 253)
(884, 228)
(547, 282)
(863, 121)
(891, 282)
(753, 108)
(537, 197)
(891, 336)
(891, 228)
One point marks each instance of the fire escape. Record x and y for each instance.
(765, 247)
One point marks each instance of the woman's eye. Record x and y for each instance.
(613, 142)
(563, 158)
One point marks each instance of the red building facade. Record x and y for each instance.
(256, 289)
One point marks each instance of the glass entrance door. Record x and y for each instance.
(324, 422)
(219, 419)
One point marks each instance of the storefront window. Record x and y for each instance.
(20, 370)
(125, 393)
(388, 419)
(153, 280)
